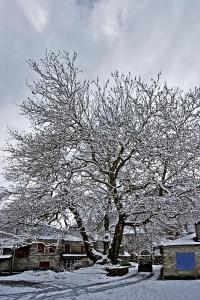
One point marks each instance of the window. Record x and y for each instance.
(82, 249)
(7, 251)
(185, 261)
(67, 248)
(69, 264)
(22, 252)
(44, 264)
(40, 248)
(52, 249)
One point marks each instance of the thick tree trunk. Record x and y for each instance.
(89, 248)
(106, 242)
(119, 228)
(117, 239)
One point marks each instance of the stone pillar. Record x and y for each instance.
(197, 230)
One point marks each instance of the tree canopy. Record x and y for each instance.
(123, 153)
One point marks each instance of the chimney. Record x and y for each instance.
(197, 230)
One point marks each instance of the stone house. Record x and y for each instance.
(42, 254)
(181, 257)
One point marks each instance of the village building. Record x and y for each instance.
(181, 257)
(43, 248)
(43, 254)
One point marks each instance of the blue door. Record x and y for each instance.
(185, 261)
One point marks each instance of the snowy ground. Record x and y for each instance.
(93, 284)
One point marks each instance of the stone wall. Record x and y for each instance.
(35, 258)
(169, 261)
(5, 266)
(75, 247)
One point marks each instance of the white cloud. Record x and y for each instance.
(141, 36)
(35, 14)
(106, 20)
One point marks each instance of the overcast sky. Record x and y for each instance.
(140, 36)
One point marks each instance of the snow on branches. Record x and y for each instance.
(128, 150)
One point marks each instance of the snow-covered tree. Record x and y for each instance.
(126, 152)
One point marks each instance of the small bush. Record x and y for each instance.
(125, 263)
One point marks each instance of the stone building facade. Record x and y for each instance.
(44, 254)
(45, 248)
(181, 257)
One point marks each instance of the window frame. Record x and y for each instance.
(22, 252)
(42, 246)
(83, 251)
(52, 249)
(69, 247)
(48, 263)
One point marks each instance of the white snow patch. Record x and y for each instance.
(91, 283)
(72, 255)
(5, 256)
(185, 240)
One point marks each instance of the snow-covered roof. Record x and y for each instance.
(42, 231)
(72, 255)
(185, 240)
(131, 231)
(72, 238)
(9, 240)
(69, 238)
(12, 242)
